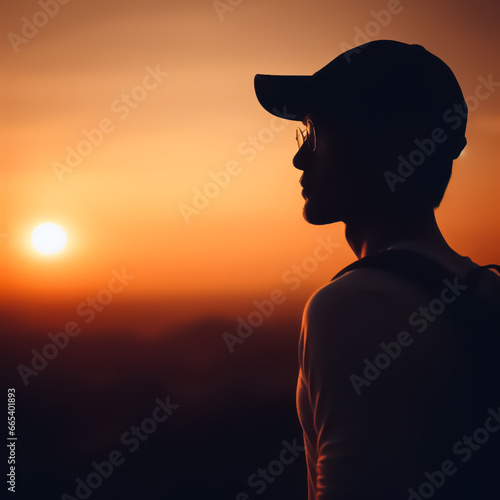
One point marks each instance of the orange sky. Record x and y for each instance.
(192, 116)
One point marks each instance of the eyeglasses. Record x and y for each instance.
(307, 136)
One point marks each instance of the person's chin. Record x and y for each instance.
(318, 215)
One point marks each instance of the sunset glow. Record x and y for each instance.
(148, 138)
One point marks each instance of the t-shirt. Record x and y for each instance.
(377, 352)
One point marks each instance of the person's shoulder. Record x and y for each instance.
(486, 284)
(362, 301)
(361, 287)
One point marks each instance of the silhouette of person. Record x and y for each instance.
(398, 389)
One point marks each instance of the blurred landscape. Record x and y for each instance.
(235, 410)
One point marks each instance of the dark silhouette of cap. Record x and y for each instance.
(385, 83)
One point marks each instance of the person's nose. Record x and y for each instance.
(299, 158)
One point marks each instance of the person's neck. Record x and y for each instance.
(366, 237)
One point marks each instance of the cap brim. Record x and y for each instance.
(284, 96)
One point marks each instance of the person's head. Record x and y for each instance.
(388, 119)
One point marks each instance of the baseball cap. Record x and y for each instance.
(384, 84)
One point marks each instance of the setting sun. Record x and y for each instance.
(48, 238)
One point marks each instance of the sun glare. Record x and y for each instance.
(48, 238)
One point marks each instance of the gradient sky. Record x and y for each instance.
(120, 204)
